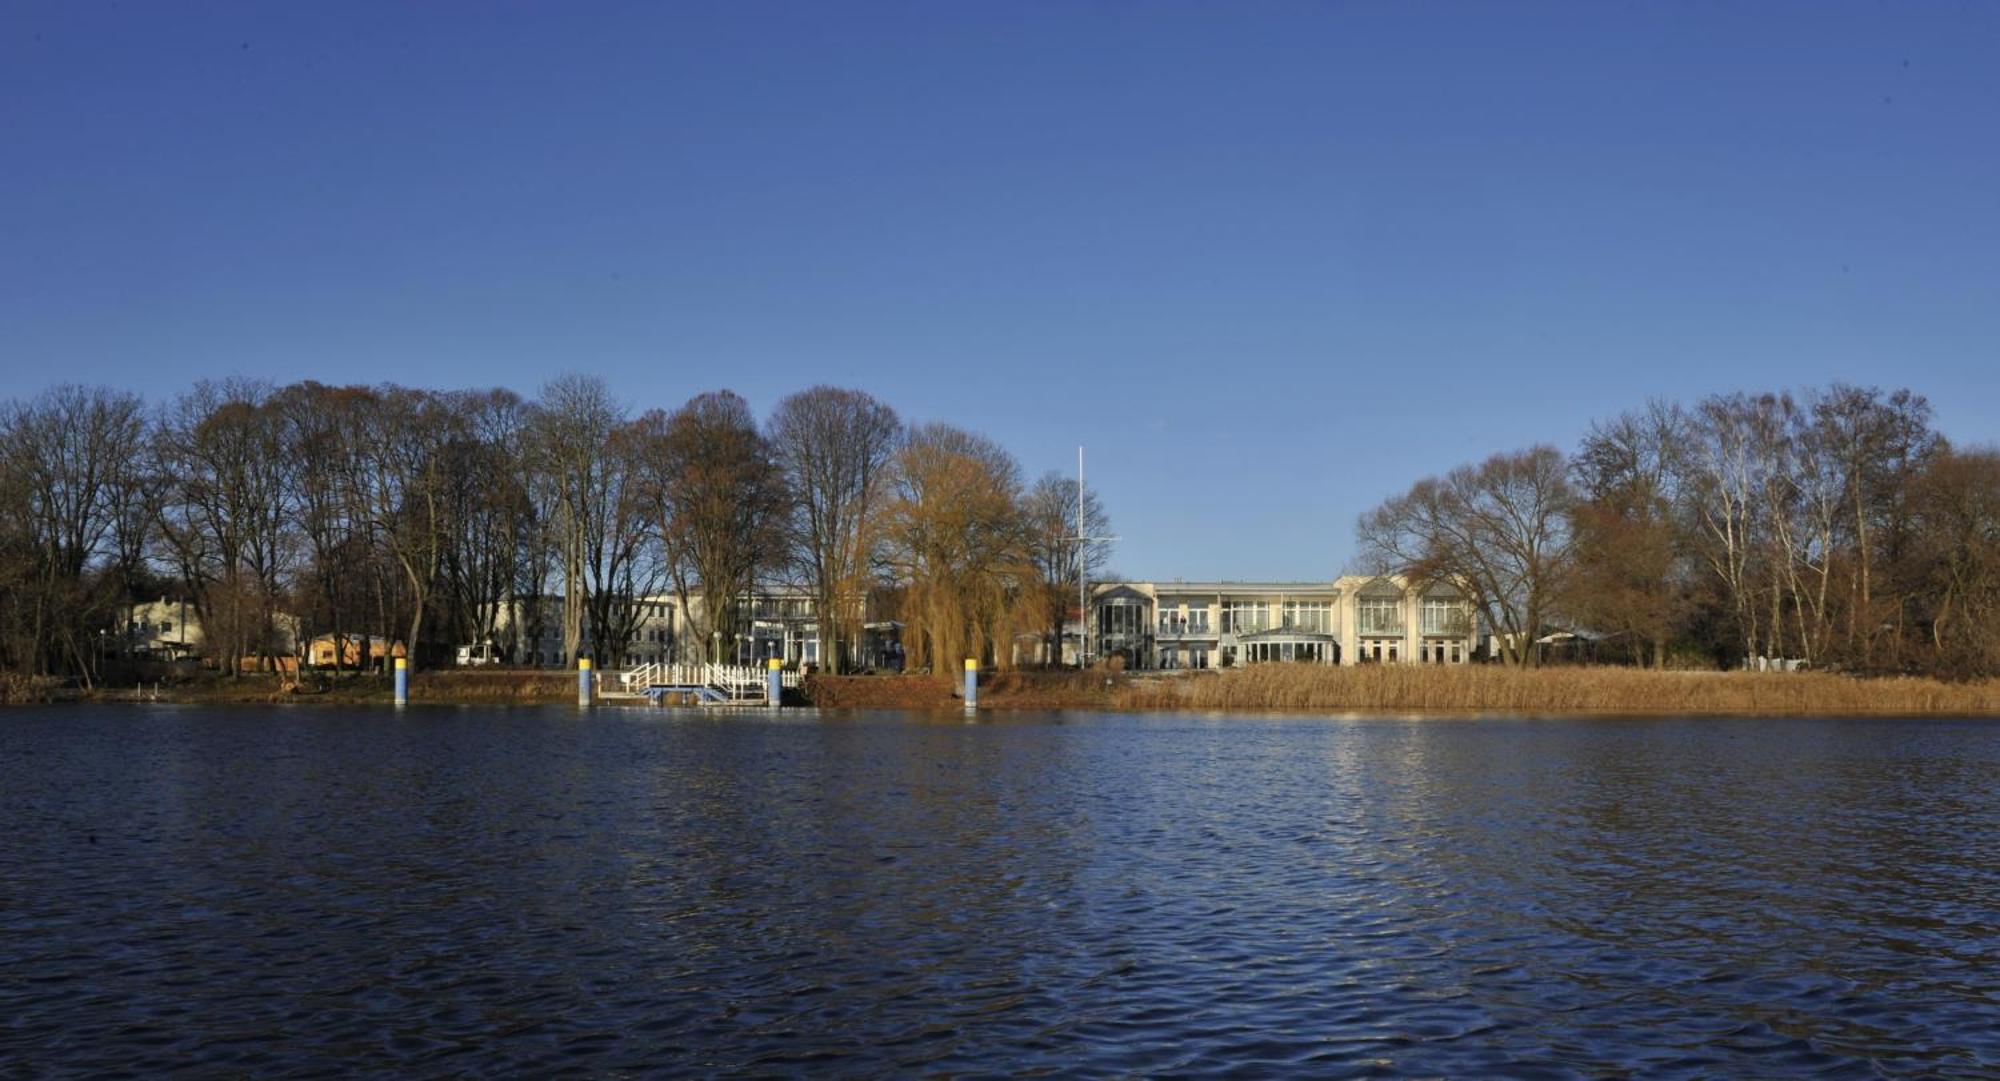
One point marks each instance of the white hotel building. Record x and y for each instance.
(1356, 619)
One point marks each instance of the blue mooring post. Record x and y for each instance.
(971, 684)
(583, 683)
(774, 682)
(402, 681)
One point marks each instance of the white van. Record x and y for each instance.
(477, 656)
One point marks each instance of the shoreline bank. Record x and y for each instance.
(1266, 689)
(1447, 691)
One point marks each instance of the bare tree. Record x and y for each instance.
(1632, 569)
(573, 422)
(1498, 530)
(957, 542)
(225, 518)
(1730, 470)
(316, 422)
(720, 507)
(834, 446)
(1877, 444)
(69, 463)
(1062, 556)
(1955, 559)
(400, 489)
(488, 509)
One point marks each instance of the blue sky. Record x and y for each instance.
(1269, 262)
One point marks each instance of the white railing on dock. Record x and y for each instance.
(737, 682)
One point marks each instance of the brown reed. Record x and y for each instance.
(1493, 689)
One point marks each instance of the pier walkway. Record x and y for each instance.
(708, 684)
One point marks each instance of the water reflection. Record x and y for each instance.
(521, 891)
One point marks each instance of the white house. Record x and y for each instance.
(1357, 619)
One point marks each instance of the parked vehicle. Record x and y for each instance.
(478, 656)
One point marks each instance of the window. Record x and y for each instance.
(1120, 619)
(1443, 616)
(1315, 617)
(1245, 617)
(1183, 617)
(1380, 615)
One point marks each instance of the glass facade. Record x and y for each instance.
(1380, 616)
(1176, 618)
(1116, 619)
(1295, 652)
(1445, 617)
(1245, 617)
(1315, 617)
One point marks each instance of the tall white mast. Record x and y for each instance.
(1083, 541)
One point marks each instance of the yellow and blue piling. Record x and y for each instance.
(583, 683)
(971, 684)
(774, 682)
(402, 681)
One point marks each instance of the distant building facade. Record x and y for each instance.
(781, 623)
(170, 629)
(1356, 619)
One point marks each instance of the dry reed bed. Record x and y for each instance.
(1556, 690)
(26, 690)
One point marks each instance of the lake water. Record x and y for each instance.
(524, 891)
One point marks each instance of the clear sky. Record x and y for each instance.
(1268, 262)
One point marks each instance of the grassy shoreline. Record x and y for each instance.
(441, 687)
(1400, 689)
(1470, 689)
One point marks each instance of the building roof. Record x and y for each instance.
(1227, 587)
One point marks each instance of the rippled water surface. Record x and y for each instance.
(529, 892)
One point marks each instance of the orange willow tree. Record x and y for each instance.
(957, 539)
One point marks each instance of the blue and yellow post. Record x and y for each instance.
(402, 681)
(774, 682)
(971, 684)
(583, 682)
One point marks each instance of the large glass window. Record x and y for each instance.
(1313, 616)
(1380, 615)
(1176, 619)
(1120, 619)
(1245, 617)
(1443, 616)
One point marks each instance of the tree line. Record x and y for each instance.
(428, 517)
(1834, 527)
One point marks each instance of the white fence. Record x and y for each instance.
(734, 681)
